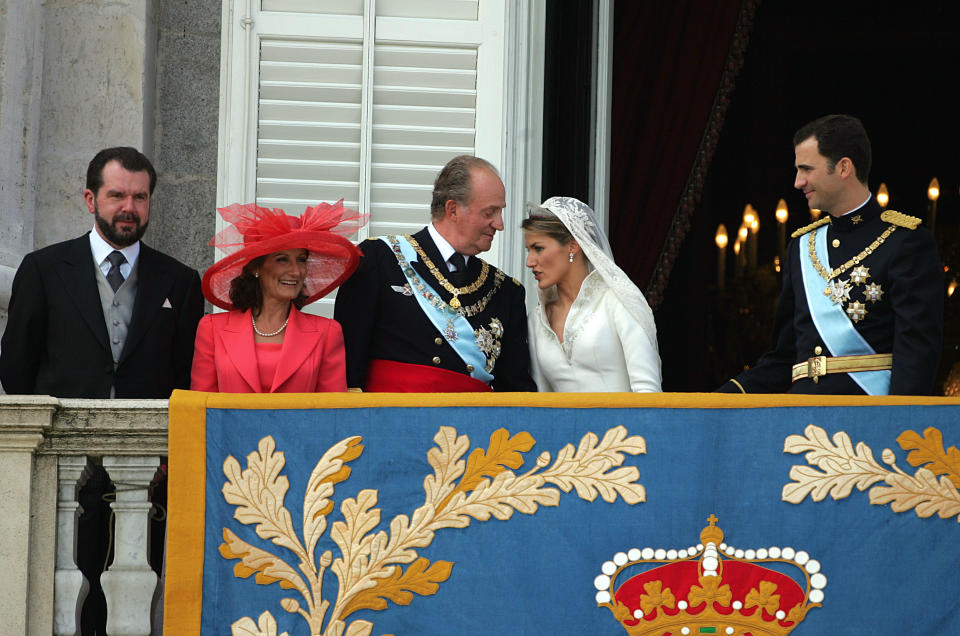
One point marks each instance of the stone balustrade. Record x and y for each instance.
(47, 449)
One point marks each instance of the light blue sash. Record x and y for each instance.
(454, 328)
(832, 322)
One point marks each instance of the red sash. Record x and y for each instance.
(387, 376)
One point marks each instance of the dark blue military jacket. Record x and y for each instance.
(381, 319)
(906, 321)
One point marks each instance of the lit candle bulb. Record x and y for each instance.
(883, 197)
(781, 214)
(933, 193)
(721, 239)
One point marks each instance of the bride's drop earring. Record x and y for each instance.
(571, 257)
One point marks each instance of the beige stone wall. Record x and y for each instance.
(80, 75)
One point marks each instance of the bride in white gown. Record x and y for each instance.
(593, 329)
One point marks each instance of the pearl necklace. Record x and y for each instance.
(268, 335)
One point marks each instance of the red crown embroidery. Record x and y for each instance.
(693, 591)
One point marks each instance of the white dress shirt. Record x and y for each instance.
(101, 250)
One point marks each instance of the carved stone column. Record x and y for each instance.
(70, 586)
(22, 424)
(129, 585)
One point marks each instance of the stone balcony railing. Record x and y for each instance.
(47, 449)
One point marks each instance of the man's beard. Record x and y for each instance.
(115, 235)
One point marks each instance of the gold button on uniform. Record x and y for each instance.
(836, 242)
(818, 350)
(469, 368)
(438, 341)
(436, 359)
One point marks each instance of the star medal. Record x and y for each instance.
(840, 291)
(859, 275)
(873, 292)
(857, 311)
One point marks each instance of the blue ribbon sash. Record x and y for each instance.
(454, 328)
(832, 322)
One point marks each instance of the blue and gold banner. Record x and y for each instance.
(511, 514)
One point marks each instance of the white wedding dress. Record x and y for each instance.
(609, 337)
(603, 349)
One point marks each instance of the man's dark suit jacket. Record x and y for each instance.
(380, 318)
(56, 341)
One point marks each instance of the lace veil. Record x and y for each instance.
(580, 220)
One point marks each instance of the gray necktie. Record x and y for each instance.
(114, 277)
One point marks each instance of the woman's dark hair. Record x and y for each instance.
(245, 292)
(543, 221)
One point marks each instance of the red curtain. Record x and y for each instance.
(674, 67)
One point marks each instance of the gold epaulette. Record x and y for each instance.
(517, 283)
(900, 219)
(373, 238)
(812, 226)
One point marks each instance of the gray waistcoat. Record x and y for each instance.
(118, 308)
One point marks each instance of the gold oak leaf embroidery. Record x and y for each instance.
(765, 598)
(370, 571)
(503, 452)
(842, 467)
(655, 598)
(268, 568)
(708, 592)
(398, 586)
(928, 449)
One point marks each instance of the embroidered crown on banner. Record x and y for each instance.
(695, 591)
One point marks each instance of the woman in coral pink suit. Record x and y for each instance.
(276, 264)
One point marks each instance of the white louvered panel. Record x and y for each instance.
(310, 52)
(307, 190)
(309, 123)
(287, 151)
(442, 9)
(346, 171)
(409, 115)
(397, 218)
(424, 114)
(340, 7)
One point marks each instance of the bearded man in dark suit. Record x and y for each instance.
(424, 313)
(103, 315)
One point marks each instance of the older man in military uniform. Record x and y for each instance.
(861, 310)
(424, 313)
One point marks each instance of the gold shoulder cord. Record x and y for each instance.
(901, 219)
(456, 291)
(812, 226)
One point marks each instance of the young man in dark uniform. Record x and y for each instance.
(861, 309)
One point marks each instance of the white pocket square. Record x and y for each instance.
(166, 304)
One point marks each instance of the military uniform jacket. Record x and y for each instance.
(906, 320)
(382, 320)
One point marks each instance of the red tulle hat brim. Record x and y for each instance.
(256, 231)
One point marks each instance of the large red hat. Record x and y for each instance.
(256, 231)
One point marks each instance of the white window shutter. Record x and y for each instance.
(363, 100)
